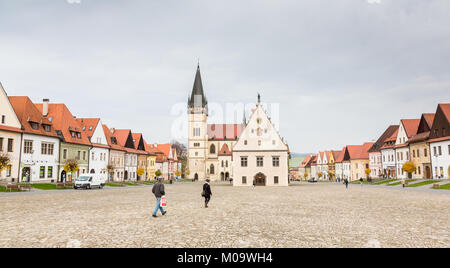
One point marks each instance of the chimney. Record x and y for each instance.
(45, 107)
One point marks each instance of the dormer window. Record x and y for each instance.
(84, 128)
(47, 128)
(34, 125)
(73, 134)
(90, 128)
(79, 135)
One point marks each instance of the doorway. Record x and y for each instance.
(63, 176)
(427, 172)
(260, 179)
(26, 175)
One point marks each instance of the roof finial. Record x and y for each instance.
(198, 63)
(259, 98)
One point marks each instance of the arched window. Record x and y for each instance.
(92, 171)
(222, 164)
(211, 169)
(212, 149)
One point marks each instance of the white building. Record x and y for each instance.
(99, 152)
(10, 138)
(407, 129)
(440, 142)
(388, 156)
(260, 156)
(40, 143)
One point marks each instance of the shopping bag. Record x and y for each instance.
(163, 202)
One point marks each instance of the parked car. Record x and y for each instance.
(313, 180)
(89, 181)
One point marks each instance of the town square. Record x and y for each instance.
(304, 215)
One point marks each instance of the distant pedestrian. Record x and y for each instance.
(158, 191)
(346, 183)
(254, 183)
(361, 181)
(403, 183)
(207, 193)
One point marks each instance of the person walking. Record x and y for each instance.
(403, 183)
(346, 183)
(361, 181)
(207, 193)
(158, 191)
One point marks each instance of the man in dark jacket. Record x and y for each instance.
(207, 193)
(158, 191)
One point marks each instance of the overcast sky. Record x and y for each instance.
(341, 70)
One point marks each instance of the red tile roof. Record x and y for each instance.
(89, 125)
(109, 137)
(341, 156)
(224, 131)
(11, 129)
(225, 150)
(419, 137)
(411, 126)
(27, 112)
(307, 161)
(64, 121)
(165, 148)
(445, 107)
(429, 118)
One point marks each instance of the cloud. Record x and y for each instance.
(374, 1)
(74, 1)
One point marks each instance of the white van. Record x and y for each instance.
(89, 181)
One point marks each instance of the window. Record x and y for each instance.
(259, 161)
(50, 172)
(259, 143)
(418, 153)
(418, 169)
(196, 132)
(212, 149)
(47, 128)
(10, 145)
(8, 171)
(276, 161)
(93, 155)
(276, 180)
(244, 161)
(28, 147)
(414, 154)
(34, 125)
(440, 150)
(65, 154)
(435, 151)
(1, 144)
(79, 155)
(42, 173)
(425, 152)
(244, 180)
(211, 169)
(47, 148)
(3, 119)
(245, 142)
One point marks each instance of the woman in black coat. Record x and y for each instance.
(207, 193)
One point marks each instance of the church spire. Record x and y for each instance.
(197, 98)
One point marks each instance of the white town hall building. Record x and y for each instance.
(250, 153)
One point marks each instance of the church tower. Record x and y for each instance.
(198, 132)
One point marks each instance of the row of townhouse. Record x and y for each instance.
(348, 163)
(424, 142)
(40, 138)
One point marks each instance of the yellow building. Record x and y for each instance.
(419, 148)
(151, 161)
(359, 160)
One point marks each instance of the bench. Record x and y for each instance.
(60, 185)
(25, 187)
(436, 186)
(68, 185)
(12, 187)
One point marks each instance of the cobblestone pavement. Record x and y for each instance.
(304, 215)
